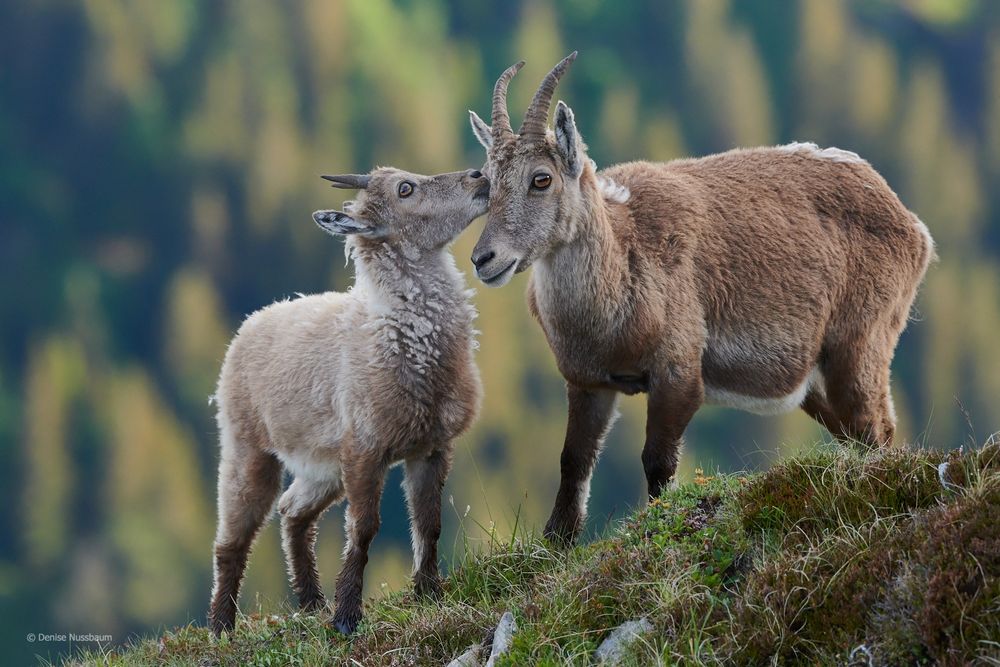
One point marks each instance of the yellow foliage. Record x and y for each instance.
(539, 44)
(620, 122)
(942, 176)
(729, 75)
(196, 334)
(57, 373)
(161, 521)
(874, 79)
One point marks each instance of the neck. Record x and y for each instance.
(587, 273)
(397, 270)
(417, 299)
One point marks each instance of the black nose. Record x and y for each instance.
(475, 173)
(483, 258)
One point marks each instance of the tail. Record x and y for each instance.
(929, 253)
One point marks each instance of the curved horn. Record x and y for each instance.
(501, 119)
(536, 118)
(349, 181)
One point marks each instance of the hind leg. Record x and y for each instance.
(858, 403)
(816, 406)
(301, 507)
(249, 480)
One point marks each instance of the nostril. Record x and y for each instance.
(483, 258)
(475, 173)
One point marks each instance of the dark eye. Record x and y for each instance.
(405, 189)
(541, 181)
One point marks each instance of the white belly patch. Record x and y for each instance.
(309, 467)
(766, 406)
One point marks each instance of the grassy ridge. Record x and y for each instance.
(887, 555)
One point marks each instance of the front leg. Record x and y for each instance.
(675, 394)
(591, 413)
(424, 481)
(364, 478)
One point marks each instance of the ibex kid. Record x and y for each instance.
(335, 388)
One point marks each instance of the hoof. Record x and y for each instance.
(559, 536)
(221, 626)
(346, 626)
(313, 604)
(428, 587)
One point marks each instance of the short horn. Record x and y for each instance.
(349, 181)
(501, 118)
(536, 118)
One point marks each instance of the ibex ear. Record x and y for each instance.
(568, 139)
(342, 224)
(481, 130)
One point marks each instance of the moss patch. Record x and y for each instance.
(814, 494)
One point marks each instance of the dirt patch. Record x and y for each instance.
(702, 513)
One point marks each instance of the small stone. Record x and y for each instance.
(468, 659)
(502, 637)
(942, 471)
(861, 656)
(611, 649)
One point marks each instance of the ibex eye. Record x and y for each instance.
(541, 181)
(405, 189)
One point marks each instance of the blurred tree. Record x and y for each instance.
(733, 92)
(159, 518)
(56, 378)
(196, 335)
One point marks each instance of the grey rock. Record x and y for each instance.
(611, 649)
(502, 637)
(468, 659)
(861, 656)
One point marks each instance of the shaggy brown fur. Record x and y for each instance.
(335, 388)
(765, 279)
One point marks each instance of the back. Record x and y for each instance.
(773, 228)
(282, 354)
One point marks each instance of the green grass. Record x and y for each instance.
(822, 554)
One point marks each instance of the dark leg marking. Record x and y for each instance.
(424, 482)
(591, 412)
(674, 397)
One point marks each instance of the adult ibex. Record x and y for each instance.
(764, 279)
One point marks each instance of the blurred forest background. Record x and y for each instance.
(159, 163)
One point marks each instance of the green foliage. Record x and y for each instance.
(497, 574)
